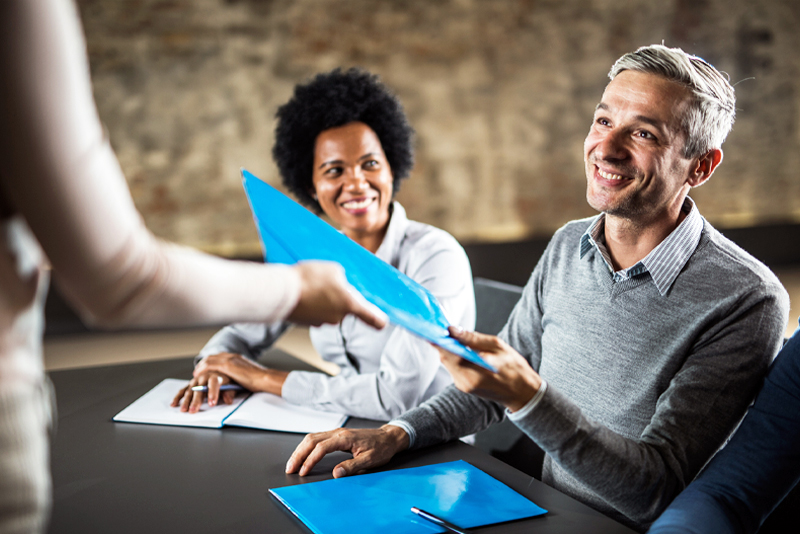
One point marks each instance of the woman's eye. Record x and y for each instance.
(603, 122)
(645, 135)
(370, 164)
(333, 171)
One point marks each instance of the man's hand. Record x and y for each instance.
(190, 401)
(370, 448)
(326, 297)
(244, 371)
(515, 382)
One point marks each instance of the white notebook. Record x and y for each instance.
(259, 410)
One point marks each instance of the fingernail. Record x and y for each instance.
(457, 330)
(339, 472)
(289, 466)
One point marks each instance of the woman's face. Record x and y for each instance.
(353, 182)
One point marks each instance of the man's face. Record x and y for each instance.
(633, 153)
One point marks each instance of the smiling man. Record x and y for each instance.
(643, 333)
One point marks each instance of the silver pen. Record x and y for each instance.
(223, 387)
(438, 521)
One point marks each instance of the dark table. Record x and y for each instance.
(118, 478)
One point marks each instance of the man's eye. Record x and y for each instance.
(645, 135)
(333, 171)
(370, 164)
(603, 122)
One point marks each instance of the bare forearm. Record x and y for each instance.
(272, 381)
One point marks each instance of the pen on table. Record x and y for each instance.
(438, 520)
(223, 387)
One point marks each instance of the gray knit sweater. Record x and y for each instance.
(642, 388)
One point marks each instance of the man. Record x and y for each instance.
(643, 333)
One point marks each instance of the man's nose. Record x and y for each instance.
(612, 146)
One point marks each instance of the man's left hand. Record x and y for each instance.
(515, 382)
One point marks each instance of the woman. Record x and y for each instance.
(63, 194)
(343, 145)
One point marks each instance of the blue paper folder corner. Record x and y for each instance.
(456, 491)
(290, 233)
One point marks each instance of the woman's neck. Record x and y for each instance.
(369, 240)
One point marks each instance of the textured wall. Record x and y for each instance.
(501, 94)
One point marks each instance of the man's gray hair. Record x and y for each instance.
(710, 116)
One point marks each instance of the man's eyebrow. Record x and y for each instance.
(641, 118)
(368, 155)
(651, 121)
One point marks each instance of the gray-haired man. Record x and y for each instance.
(642, 334)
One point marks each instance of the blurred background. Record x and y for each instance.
(500, 92)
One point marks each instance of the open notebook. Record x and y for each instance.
(258, 410)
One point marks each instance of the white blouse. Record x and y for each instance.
(383, 373)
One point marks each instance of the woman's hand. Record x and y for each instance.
(244, 371)
(370, 448)
(326, 297)
(190, 401)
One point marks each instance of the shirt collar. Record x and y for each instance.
(395, 233)
(664, 262)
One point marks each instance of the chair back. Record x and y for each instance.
(493, 304)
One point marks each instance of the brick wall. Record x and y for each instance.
(500, 92)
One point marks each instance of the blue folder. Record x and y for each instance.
(290, 233)
(381, 502)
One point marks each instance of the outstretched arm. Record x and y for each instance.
(58, 170)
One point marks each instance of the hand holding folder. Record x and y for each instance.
(290, 233)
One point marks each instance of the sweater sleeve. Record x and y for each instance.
(756, 470)
(700, 407)
(59, 171)
(408, 364)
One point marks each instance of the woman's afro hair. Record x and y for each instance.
(330, 100)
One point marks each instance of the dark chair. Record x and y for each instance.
(494, 302)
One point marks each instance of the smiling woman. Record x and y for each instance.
(343, 145)
(353, 183)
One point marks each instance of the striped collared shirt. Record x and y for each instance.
(663, 262)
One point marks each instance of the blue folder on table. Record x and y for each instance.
(290, 233)
(456, 491)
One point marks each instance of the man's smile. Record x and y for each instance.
(610, 176)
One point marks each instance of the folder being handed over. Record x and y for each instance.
(290, 233)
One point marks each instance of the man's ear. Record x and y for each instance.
(704, 167)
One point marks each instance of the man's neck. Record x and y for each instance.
(628, 243)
